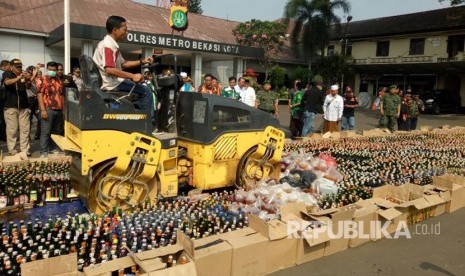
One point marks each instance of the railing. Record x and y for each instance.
(407, 59)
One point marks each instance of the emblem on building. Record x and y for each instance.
(178, 15)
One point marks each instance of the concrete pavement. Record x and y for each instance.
(426, 253)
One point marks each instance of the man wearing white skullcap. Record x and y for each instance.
(332, 110)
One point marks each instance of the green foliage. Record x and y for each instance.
(277, 76)
(283, 92)
(195, 6)
(454, 2)
(312, 23)
(266, 35)
(317, 78)
(332, 67)
(301, 73)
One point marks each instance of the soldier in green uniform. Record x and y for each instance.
(390, 107)
(230, 91)
(416, 105)
(268, 100)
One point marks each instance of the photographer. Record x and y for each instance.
(16, 108)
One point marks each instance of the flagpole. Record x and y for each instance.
(67, 39)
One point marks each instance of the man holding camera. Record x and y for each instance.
(16, 108)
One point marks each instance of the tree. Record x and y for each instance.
(312, 21)
(277, 76)
(454, 2)
(194, 6)
(266, 35)
(332, 67)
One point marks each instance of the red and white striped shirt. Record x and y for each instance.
(107, 55)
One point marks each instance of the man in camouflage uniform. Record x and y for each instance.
(268, 100)
(390, 107)
(230, 91)
(416, 105)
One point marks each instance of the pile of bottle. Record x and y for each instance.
(98, 239)
(368, 162)
(35, 183)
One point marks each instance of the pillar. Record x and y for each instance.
(238, 67)
(462, 90)
(358, 81)
(87, 48)
(196, 69)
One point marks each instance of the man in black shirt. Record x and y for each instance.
(348, 114)
(16, 108)
(313, 104)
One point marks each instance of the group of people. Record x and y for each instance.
(305, 105)
(238, 89)
(30, 93)
(397, 107)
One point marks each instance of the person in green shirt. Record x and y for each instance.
(297, 111)
(390, 107)
(230, 91)
(268, 100)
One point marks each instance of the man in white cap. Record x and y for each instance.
(186, 87)
(332, 110)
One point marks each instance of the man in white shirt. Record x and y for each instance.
(248, 95)
(332, 110)
(111, 64)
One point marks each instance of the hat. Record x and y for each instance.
(16, 62)
(334, 87)
(266, 82)
(319, 82)
(183, 74)
(393, 87)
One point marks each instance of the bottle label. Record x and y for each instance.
(3, 201)
(33, 196)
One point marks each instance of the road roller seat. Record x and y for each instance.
(93, 81)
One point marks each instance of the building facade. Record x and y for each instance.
(34, 32)
(421, 51)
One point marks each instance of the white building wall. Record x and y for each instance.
(29, 49)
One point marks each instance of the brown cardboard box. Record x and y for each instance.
(212, 255)
(365, 215)
(250, 251)
(105, 269)
(49, 267)
(434, 195)
(313, 233)
(457, 191)
(151, 261)
(336, 217)
(282, 246)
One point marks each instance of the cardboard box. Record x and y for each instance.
(49, 267)
(449, 183)
(383, 197)
(313, 233)
(250, 251)
(105, 269)
(282, 247)
(364, 216)
(348, 133)
(432, 194)
(212, 255)
(153, 261)
(336, 217)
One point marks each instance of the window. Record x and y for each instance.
(330, 50)
(226, 114)
(417, 46)
(382, 49)
(349, 49)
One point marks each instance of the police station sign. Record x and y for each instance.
(166, 41)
